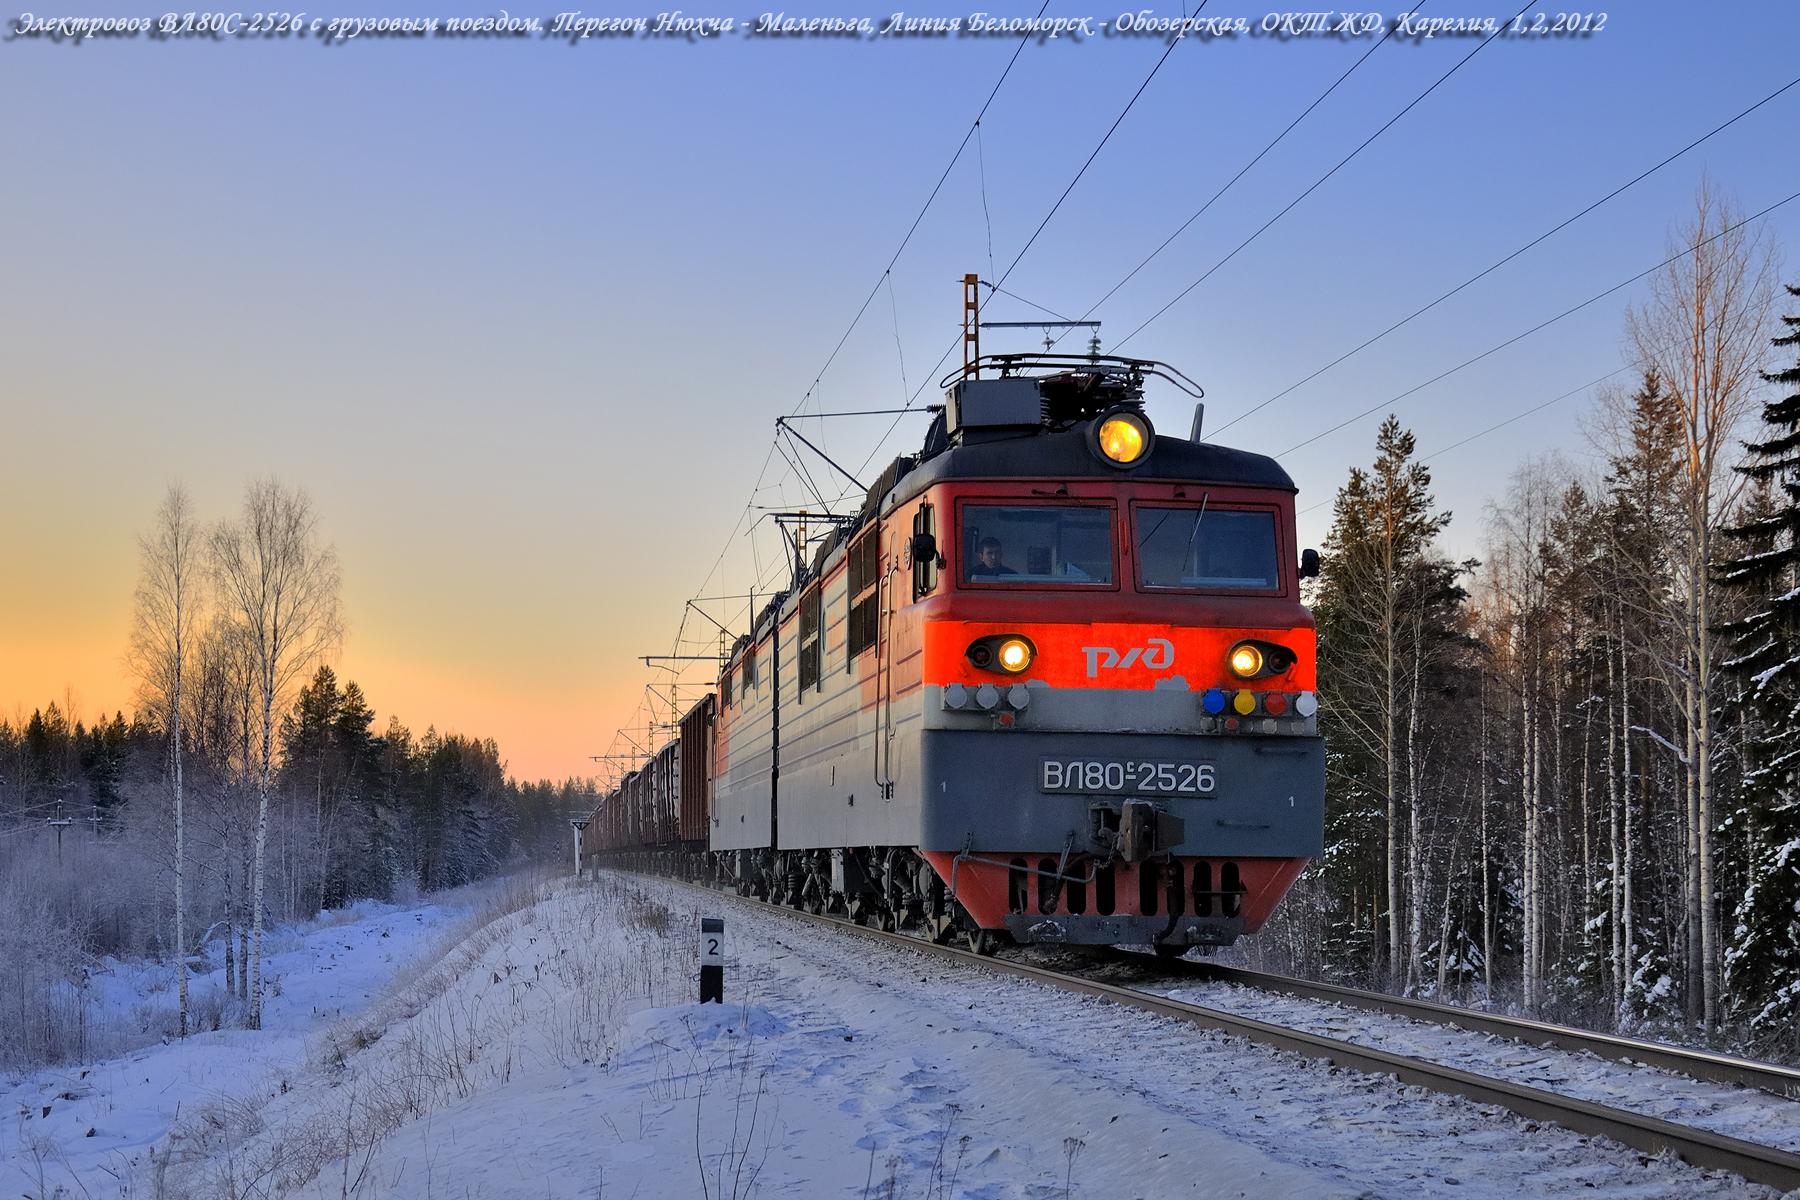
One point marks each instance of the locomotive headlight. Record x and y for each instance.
(1014, 655)
(1246, 660)
(1122, 437)
(1006, 653)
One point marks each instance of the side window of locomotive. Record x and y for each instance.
(925, 570)
(865, 571)
(1037, 544)
(1214, 549)
(749, 670)
(725, 688)
(811, 639)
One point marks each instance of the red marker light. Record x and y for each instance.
(1274, 703)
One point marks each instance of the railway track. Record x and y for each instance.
(1696, 1064)
(1757, 1163)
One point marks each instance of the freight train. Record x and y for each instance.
(1053, 683)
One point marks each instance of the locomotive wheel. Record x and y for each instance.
(981, 941)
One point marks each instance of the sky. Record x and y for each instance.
(519, 315)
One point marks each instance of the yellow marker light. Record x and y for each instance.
(1014, 655)
(1124, 438)
(1244, 702)
(1246, 661)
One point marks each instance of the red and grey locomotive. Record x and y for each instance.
(1053, 683)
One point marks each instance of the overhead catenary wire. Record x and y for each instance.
(1320, 181)
(1501, 262)
(1499, 425)
(986, 216)
(906, 238)
(1242, 171)
(961, 146)
(1035, 234)
(899, 349)
(1541, 325)
(1095, 153)
(1639, 363)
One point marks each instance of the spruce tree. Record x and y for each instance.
(1386, 599)
(1762, 960)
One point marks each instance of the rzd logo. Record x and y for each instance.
(1159, 655)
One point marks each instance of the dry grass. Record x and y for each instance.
(520, 985)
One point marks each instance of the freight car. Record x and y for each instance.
(1053, 683)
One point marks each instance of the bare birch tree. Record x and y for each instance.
(281, 586)
(167, 615)
(1705, 329)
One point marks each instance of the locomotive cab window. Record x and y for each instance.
(1055, 544)
(1208, 549)
(749, 669)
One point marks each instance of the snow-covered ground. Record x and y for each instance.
(1735, 1112)
(85, 1130)
(558, 1053)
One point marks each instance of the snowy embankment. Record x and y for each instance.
(557, 1053)
(87, 1130)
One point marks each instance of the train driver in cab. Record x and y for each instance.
(988, 558)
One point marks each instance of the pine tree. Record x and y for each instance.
(1762, 962)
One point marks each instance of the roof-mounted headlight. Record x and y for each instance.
(1121, 438)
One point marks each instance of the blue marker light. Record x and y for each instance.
(1213, 702)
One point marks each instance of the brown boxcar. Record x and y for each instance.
(696, 771)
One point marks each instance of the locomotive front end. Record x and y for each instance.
(1118, 737)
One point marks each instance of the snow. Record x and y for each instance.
(1735, 1112)
(558, 1053)
(317, 972)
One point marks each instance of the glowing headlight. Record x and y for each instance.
(1007, 653)
(1122, 437)
(1246, 661)
(1014, 655)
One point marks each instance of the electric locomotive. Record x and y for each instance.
(1053, 683)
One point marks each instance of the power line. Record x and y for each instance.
(774, 441)
(1639, 363)
(1491, 268)
(1101, 145)
(1032, 240)
(1518, 337)
(1317, 183)
(1516, 417)
(1533, 410)
(1242, 171)
(923, 209)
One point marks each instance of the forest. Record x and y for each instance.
(251, 822)
(1562, 773)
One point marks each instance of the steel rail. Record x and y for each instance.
(1696, 1064)
(1698, 1147)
